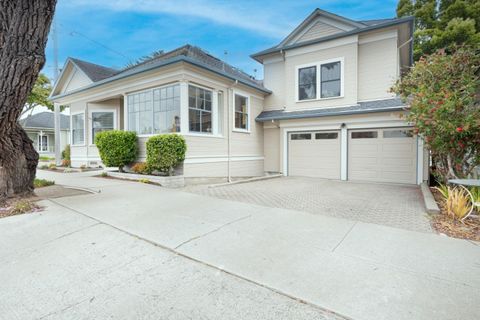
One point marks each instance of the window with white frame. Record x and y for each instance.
(241, 112)
(307, 83)
(320, 81)
(102, 121)
(42, 143)
(155, 111)
(199, 109)
(78, 129)
(330, 82)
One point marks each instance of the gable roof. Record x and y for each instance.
(187, 53)
(94, 71)
(393, 104)
(45, 120)
(357, 27)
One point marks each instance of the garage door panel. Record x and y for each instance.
(382, 159)
(314, 157)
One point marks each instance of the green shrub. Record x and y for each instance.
(66, 153)
(52, 166)
(44, 167)
(45, 158)
(39, 183)
(165, 151)
(117, 148)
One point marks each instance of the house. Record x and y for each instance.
(40, 129)
(324, 108)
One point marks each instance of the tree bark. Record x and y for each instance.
(24, 27)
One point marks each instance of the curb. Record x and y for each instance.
(429, 200)
(246, 180)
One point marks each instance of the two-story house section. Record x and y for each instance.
(331, 113)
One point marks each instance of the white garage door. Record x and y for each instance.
(314, 154)
(382, 155)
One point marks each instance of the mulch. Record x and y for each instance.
(442, 223)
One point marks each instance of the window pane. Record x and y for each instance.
(397, 134)
(241, 112)
(364, 135)
(101, 121)
(331, 71)
(194, 120)
(166, 115)
(326, 135)
(240, 103)
(331, 89)
(78, 134)
(301, 136)
(206, 122)
(307, 83)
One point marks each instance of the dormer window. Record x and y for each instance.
(320, 80)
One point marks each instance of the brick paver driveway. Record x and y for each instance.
(399, 206)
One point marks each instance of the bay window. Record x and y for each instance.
(78, 129)
(155, 111)
(199, 110)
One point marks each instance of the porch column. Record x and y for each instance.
(420, 146)
(58, 152)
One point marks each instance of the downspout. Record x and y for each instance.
(229, 105)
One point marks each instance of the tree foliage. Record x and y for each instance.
(442, 23)
(443, 91)
(39, 95)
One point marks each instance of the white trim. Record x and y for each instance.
(85, 159)
(322, 46)
(84, 128)
(322, 19)
(240, 93)
(344, 153)
(90, 122)
(318, 87)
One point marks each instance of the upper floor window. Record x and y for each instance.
(78, 129)
(330, 80)
(155, 111)
(307, 83)
(199, 109)
(320, 80)
(241, 112)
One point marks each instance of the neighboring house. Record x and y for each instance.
(324, 108)
(40, 129)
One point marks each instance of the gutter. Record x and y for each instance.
(160, 64)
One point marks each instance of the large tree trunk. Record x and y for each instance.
(24, 27)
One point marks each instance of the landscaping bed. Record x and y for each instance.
(443, 223)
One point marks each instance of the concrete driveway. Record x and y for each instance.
(399, 206)
(140, 251)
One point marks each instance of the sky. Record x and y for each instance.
(116, 32)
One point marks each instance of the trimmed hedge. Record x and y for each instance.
(165, 151)
(117, 148)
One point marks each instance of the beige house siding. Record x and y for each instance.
(319, 30)
(78, 80)
(219, 169)
(272, 149)
(274, 80)
(377, 66)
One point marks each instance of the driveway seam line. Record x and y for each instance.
(178, 253)
(345, 236)
(212, 231)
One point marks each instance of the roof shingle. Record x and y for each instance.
(45, 120)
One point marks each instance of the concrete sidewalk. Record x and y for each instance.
(359, 270)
